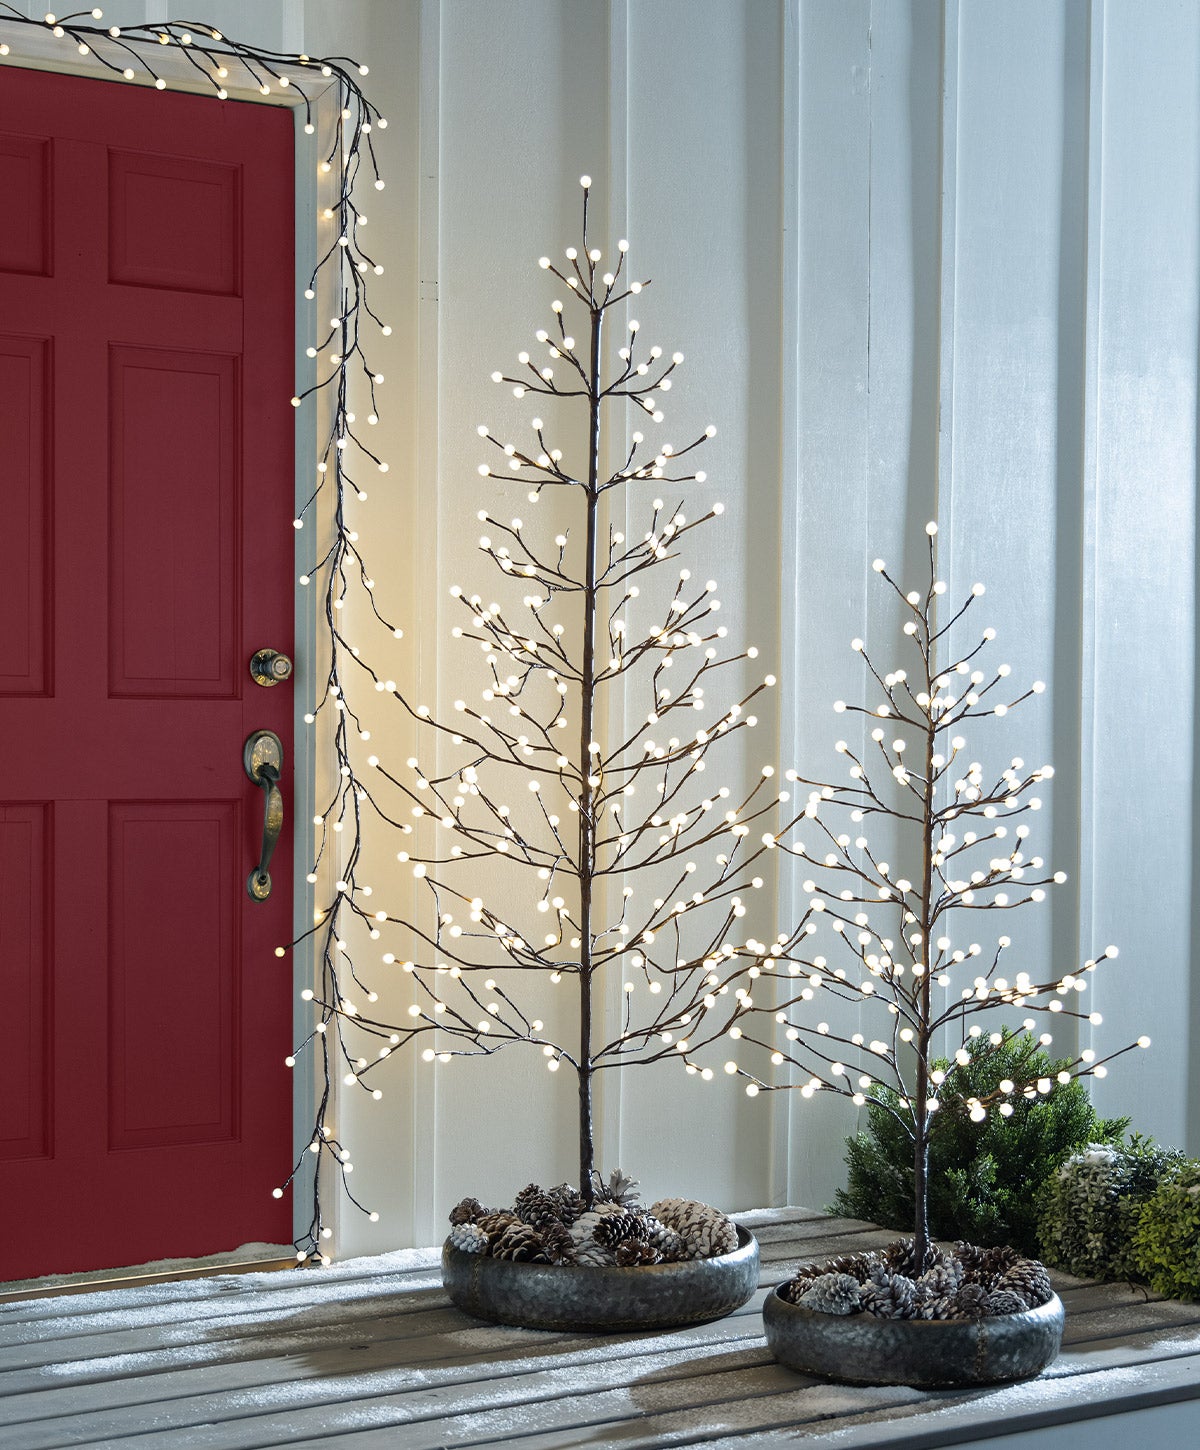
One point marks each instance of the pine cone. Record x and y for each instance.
(832, 1294)
(618, 1228)
(467, 1211)
(632, 1252)
(860, 1265)
(1029, 1279)
(986, 1266)
(945, 1307)
(706, 1230)
(583, 1230)
(620, 1188)
(795, 1289)
(539, 1210)
(671, 1247)
(520, 1243)
(889, 1295)
(469, 1237)
(594, 1255)
(970, 1302)
(529, 1193)
(560, 1246)
(570, 1202)
(943, 1277)
(494, 1224)
(901, 1257)
(1004, 1301)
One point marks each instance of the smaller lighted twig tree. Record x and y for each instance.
(961, 827)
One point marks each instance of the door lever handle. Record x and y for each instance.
(262, 759)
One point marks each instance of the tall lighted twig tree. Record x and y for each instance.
(556, 847)
(961, 827)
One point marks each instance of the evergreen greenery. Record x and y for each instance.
(983, 1176)
(1166, 1242)
(1088, 1211)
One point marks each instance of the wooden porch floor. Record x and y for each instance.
(369, 1354)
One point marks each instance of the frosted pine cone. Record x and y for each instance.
(670, 1246)
(706, 1230)
(970, 1302)
(618, 1228)
(620, 1188)
(467, 1211)
(943, 1277)
(469, 1237)
(583, 1236)
(560, 1246)
(860, 1265)
(529, 1194)
(570, 1202)
(986, 1265)
(520, 1243)
(594, 1255)
(1004, 1301)
(1030, 1280)
(584, 1227)
(494, 1224)
(795, 1289)
(890, 1296)
(539, 1209)
(832, 1294)
(901, 1257)
(632, 1252)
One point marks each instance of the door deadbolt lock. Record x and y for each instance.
(269, 666)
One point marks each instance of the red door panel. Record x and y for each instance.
(146, 483)
(25, 601)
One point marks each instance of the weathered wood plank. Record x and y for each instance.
(400, 1264)
(463, 1356)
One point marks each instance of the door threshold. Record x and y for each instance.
(262, 1258)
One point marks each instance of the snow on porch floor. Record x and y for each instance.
(370, 1354)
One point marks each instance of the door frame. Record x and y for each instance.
(314, 767)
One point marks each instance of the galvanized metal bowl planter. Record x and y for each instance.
(923, 1353)
(602, 1300)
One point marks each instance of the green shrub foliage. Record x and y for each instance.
(1166, 1242)
(983, 1176)
(1089, 1209)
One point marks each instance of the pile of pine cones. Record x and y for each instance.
(555, 1226)
(968, 1283)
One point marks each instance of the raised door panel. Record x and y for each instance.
(25, 187)
(174, 499)
(173, 995)
(26, 1063)
(174, 223)
(26, 494)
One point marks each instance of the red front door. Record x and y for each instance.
(146, 486)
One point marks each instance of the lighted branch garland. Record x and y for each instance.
(567, 811)
(962, 829)
(343, 271)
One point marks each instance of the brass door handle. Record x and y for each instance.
(262, 758)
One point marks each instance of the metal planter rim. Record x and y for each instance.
(602, 1300)
(923, 1353)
